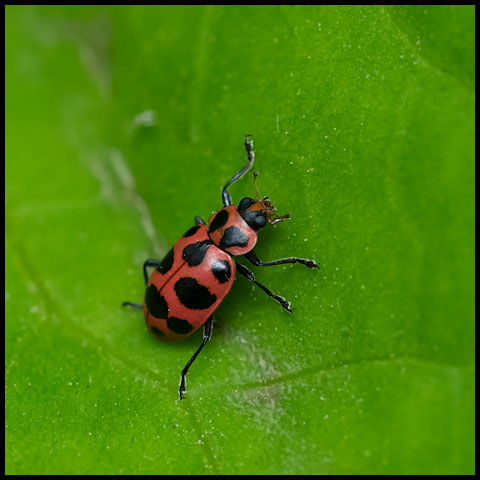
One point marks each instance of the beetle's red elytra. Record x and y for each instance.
(188, 285)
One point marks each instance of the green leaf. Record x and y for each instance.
(123, 123)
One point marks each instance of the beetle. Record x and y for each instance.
(188, 285)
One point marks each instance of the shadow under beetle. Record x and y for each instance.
(189, 284)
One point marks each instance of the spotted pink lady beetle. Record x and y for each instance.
(189, 284)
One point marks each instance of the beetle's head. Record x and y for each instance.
(257, 213)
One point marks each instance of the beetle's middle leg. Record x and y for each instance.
(149, 262)
(251, 277)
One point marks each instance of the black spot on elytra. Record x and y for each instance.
(221, 270)
(191, 231)
(194, 253)
(155, 302)
(178, 325)
(166, 264)
(219, 221)
(156, 331)
(193, 295)
(233, 237)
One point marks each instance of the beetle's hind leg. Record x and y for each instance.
(138, 306)
(207, 335)
(199, 221)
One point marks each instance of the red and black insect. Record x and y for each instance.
(189, 284)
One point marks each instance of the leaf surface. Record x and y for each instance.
(123, 123)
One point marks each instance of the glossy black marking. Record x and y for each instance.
(233, 237)
(244, 204)
(155, 302)
(221, 270)
(255, 219)
(178, 325)
(194, 253)
(156, 331)
(193, 295)
(166, 264)
(191, 231)
(219, 221)
(260, 221)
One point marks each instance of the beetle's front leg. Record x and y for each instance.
(252, 257)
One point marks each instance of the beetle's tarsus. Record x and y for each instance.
(182, 388)
(284, 303)
(248, 143)
(309, 263)
(138, 306)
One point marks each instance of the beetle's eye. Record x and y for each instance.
(260, 220)
(245, 203)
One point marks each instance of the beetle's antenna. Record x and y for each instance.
(255, 175)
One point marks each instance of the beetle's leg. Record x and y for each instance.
(138, 306)
(199, 221)
(207, 335)
(252, 257)
(149, 262)
(250, 276)
(226, 198)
